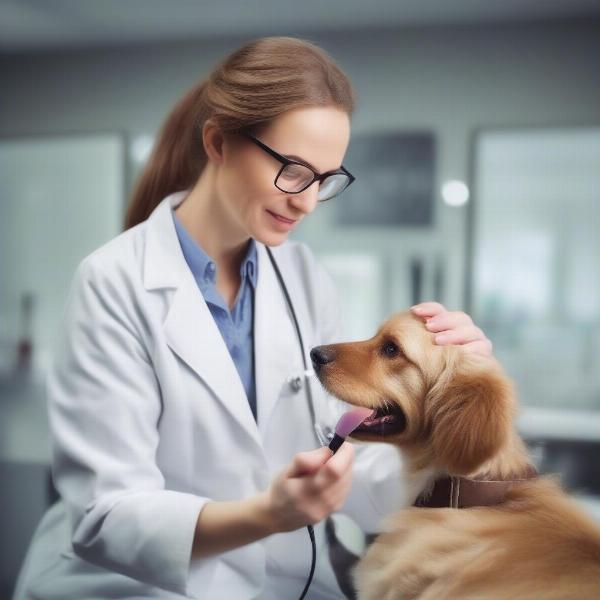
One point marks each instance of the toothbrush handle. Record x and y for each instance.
(336, 442)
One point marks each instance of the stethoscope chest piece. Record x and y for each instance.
(296, 382)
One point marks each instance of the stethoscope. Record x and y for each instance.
(324, 434)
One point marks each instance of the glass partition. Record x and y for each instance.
(534, 284)
(61, 197)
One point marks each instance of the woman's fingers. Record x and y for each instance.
(306, 463)
(329, 488)
(460, 335)
(313, 485)
(453, 327)
(427, 309)
(448, 320)
(335, 468)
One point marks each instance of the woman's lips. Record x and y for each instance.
(285, 223)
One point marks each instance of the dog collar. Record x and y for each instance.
(463, 492)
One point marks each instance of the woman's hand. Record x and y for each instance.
(314, 485)
(453, 327)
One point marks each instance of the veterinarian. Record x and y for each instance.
(185, 449)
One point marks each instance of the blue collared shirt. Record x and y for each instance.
(236, 326)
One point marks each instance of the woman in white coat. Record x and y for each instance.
(186, 464)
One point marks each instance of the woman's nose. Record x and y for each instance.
(306, 200)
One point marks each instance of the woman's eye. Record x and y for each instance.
(390, 349)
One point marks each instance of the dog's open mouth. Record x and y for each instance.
(386, 421)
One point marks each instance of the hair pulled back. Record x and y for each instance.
(246, 90)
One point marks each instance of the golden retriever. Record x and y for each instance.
(451, 414)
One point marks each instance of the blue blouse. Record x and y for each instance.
(236, 326)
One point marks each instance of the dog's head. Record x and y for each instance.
(456, 406)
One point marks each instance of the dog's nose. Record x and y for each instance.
(321, 355)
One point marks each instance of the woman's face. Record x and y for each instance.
(318, 136)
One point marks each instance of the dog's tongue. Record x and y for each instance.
(351, 419)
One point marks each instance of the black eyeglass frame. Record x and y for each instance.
(316, 176)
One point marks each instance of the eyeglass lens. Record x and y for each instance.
(295, 177)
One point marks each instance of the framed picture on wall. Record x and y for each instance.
(395, 180)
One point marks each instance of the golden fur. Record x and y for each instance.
(459, 410)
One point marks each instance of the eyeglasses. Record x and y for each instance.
(294, 177)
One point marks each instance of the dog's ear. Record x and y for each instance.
(469, 411)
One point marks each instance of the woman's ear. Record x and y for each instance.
(469, 410)
(212, 138)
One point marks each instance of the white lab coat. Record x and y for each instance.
(150, 420)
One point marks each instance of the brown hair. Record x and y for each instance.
(250, 87)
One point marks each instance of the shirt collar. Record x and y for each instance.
(203, 266)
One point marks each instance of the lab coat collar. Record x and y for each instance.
(164, 263)
(189, 327)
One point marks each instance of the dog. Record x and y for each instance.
(478, 523)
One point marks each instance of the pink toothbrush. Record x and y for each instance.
(347, 423)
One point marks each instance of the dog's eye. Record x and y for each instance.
(390, 349)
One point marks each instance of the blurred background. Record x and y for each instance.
(476, 147)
